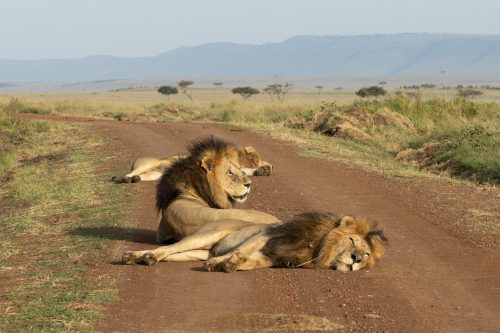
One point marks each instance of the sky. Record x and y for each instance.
(36, 29)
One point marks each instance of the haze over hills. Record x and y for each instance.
(399, 54)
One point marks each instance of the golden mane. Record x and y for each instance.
(309, 239)
(188, 175)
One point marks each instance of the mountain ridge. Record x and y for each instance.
(379, 54)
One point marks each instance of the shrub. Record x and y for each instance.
(372, 91)
(167, 90)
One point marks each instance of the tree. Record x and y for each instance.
(184, 85)
(372, 91)
(245, 92)
(280, 90)
(167, 90)
(319, 89)
(217, 84)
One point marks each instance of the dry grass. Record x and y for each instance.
(398, 122)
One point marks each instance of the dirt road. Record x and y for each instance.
(439, 275)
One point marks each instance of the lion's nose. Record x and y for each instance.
(355, 258)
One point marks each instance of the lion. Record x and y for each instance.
(202, 188)
(309, 240)
(151, 168)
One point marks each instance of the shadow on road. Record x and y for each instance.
(135, 235)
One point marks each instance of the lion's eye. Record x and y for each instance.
(367, 254)
(352, 240)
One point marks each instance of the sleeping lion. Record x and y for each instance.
(309, 240)
(151, 168)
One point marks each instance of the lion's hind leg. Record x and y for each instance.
(202, 239)
(147, 176)
(246, 257)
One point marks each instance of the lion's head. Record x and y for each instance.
(352, 245)
(211, 172)
(324, 240)
(252, 163)
(224, 176)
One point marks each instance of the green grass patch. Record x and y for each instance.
(44, 261)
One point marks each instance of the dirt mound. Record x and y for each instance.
(387, 117)
(359, 117)
(172, 109)
(336, 124)
(350, 124)
(423, 157)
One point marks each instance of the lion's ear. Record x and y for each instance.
(346, 222)
(208, 161)
(249, 149)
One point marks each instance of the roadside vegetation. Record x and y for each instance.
(55, 214)
(401, 132)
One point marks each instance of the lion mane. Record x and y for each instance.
(311, 240)
(187, 175)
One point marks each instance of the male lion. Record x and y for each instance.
(202, 188)
(310, 240)
(151, 168)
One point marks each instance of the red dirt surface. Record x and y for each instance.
(441, 272)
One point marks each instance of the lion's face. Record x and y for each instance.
(251, 162)
(354, 253)
(235, 183)
(227, 182)
(353, 245)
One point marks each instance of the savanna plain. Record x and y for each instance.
(57, 154)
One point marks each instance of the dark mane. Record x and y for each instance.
(298, 240)
(210, 143)
(187, 173)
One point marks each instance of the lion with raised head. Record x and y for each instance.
(202, 188)
(309, 240)
(151, 168)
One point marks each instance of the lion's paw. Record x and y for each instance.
(213, 265)
(128, 258)
(231, 264)
(135, 179)
(150, 259)
(264, 170)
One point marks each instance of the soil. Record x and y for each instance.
(441, 272)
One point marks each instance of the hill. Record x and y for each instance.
(399, 54)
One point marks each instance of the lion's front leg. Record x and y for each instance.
(238, 262)
(193, 255)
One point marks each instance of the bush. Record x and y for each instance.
(167, 90)
(372, 91)
(472, 152)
